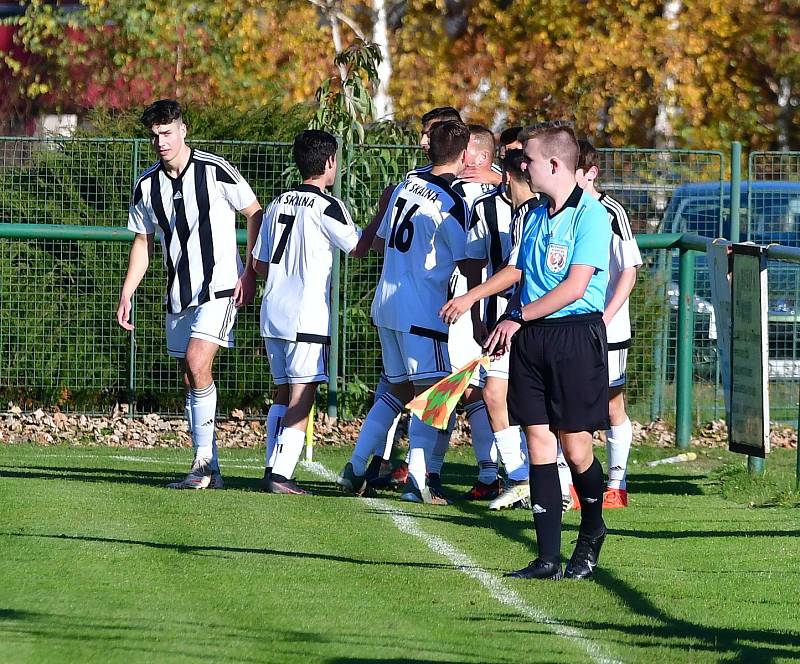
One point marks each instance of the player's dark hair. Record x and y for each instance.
(161, 112)
(448, 140)
(556, 140)
(441, 114)
(588, 157)
(508, 136)
(311, 150)
(483, 137)
(512, 163)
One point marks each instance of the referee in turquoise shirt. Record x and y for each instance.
(558, 383)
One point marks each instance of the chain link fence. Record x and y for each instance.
(59, 343)
(773, 215)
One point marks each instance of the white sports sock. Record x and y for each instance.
(274, 425)
(564, 474)
(372, 436)
(509, 448)
(289, 448)
(436, 459)
(422, 439)
(381, 389)
(187, 411)
(482, 441)
(204, 410)
(618, 446)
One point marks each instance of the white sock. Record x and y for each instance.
(381, 389)
(274, 425)
(289, 448)
(482, 441)
(436, 459)
(564, 474)
(203, 403)
(422, 439)
(372, 436)
(508, 446)
(187, 411)
(618, 446)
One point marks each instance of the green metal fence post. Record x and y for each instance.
(684, 386)
(333, 357)
(132, 367)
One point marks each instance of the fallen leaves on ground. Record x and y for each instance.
(118, 429)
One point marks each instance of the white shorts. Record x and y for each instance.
(413, 357)
(617, 363)
(463, 348)
(212, 321)
(297, 362)
(499, 368)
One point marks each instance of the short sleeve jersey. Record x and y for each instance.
(577, 234)
(624, 254)
(425, 235)
(194, 217)
(489, 238)
(300, 232)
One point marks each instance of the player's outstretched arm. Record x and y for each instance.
(245, 288)
(497, 283)
(138, 262)
(368, 236)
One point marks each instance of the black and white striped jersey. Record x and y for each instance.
(624, 254)
(489, 238)
(300, 231)
(425, 232)
(194, 216)
(519, 218)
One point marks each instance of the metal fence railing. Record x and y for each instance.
(59, 342)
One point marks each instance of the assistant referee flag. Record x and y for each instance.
(435, 404)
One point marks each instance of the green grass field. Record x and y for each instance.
(99, 563)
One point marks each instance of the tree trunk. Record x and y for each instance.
(384, 105)
(665, 132)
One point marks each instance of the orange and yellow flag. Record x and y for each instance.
(435, 404)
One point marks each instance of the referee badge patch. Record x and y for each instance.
(556, 257)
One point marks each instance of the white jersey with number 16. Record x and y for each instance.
(425, 233)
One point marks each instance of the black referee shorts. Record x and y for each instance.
(558, 374)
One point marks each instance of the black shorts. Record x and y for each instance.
(558, 374)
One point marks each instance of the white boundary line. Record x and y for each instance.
(493, 583)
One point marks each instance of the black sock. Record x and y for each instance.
(546, 508)
(374, 467)
(589, 487)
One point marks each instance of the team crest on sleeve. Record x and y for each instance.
(556, 257)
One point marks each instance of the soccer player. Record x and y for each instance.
(189, 199)
(461, 345)
(625, 260)
(423, 237)
(496, 226)
(294, 253)
(509, 140)
(558, 381)
(379, 472)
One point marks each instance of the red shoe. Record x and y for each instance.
(399, 475)
(570, 501)
(615, 498)
(481, 491)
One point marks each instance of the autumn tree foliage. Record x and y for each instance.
(688, 73)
